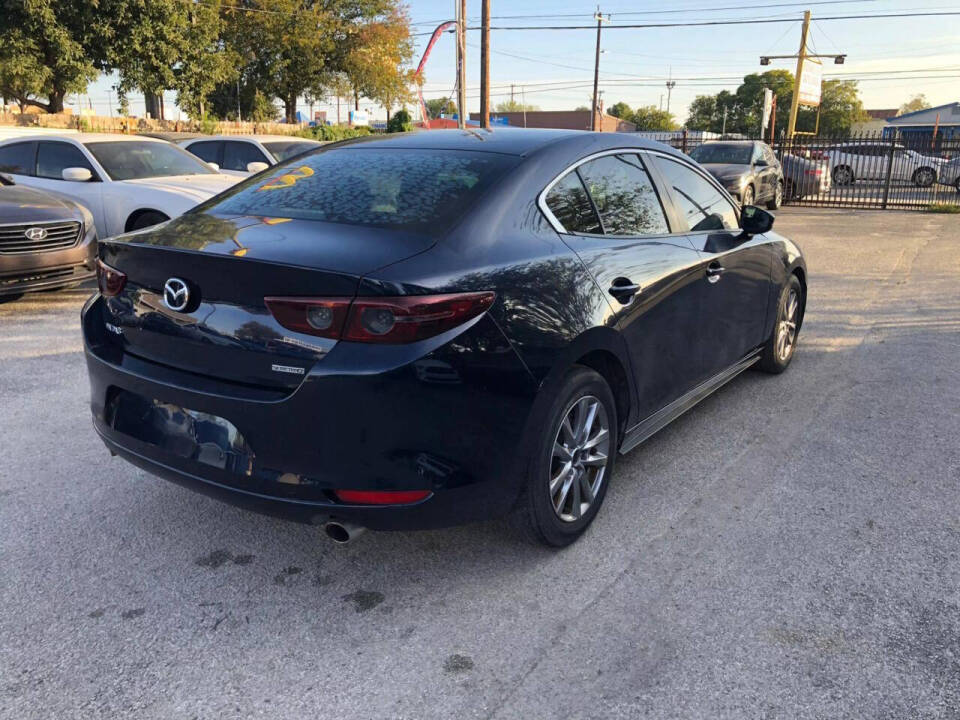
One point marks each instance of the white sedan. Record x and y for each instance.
(127, 182)
(243, 155)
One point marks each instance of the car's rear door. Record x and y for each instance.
(733, 280)
(609, 213)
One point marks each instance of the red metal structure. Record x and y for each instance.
(443, 27)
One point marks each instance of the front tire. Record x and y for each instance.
(924, 177)
(573, 461)
(145, 220)
(779, 348)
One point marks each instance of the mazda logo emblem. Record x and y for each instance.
(176, 294)
(35, 233)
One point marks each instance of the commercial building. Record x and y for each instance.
(920, 125)
(561, 119)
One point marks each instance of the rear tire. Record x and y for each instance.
(779, 348)
(777, 200)
(924, 177)
(573, 461)
(843, 175)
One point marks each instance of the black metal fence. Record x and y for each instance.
(866, 171)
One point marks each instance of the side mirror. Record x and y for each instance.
(213, 166)
(755, 220)
(76, 174)
(255, 167)
(760, 162)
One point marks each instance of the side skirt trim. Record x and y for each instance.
(663, 417)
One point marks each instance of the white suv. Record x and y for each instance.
(870, 161)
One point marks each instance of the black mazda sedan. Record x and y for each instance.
(430, 329)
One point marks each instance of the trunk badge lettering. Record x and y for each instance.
(288, 369)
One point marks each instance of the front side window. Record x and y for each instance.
(702, 206)
(408, 189)
(136, 159)
(54, 157)
(18, 158)
(624, 196)
(237, 155)
(571, 207)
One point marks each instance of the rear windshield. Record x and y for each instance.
(720, 153)
(416, 190)
(286, 149)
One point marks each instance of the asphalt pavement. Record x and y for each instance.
(788, 549)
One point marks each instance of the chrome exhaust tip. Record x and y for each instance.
(343, 532)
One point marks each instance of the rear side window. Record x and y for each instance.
(54, 157)
(18, 158)
(624, 196)
(571, 207)
(702, 206)
(208, 151)
(409, 189)
(236, 155)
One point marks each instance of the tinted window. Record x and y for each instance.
(570, 205)
(134, 159)
(18, 158)
(208, 151)
(424, 190)
(54, 157)
(701, 205)
(286, 149)
(624, 196)
(236, 155)
(723, 153)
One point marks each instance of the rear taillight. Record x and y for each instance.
(379, 320)
(109, 280)
(381, 497)
(817, 172)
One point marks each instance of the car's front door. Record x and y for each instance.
(237, 154)
(613, 219)
(733, 278)
(53, 157)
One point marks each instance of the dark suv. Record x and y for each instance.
(747, 169)
(45, 241)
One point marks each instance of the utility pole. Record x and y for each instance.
(596, 72)
(462, 64)
(801, 56)
(671, 84)
(723, 130)
(485, 66)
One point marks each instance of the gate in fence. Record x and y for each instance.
(868, 171)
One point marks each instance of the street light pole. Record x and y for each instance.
(485, 66)
(462, 64)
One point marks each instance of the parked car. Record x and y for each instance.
(46, 242)
(804, 174)
(127, 182)
(747, 169)
(429, 329)
(854, 161)
(950, 173)
(243, 155)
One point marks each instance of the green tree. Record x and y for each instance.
(917, 102)
(376, 57)
(620, 110)
(444, 105)
(515, 106)
(400, 122)
(649, 117)
(63, 38)
(840, 108)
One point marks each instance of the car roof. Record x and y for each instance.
(508, 141)
(84, 138)
(258, 138)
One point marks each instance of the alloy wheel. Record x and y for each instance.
(787, 328)
(925, 177)
(579, 458)
(842, 176)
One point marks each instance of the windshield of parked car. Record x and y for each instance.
(286, 149)
(136, 159)
(415, 190)
(723, 153)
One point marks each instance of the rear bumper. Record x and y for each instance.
(452, 421)
(43, 270)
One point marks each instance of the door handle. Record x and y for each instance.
(714, 271)
(623, 290)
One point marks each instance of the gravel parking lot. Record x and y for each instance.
(788, 549)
